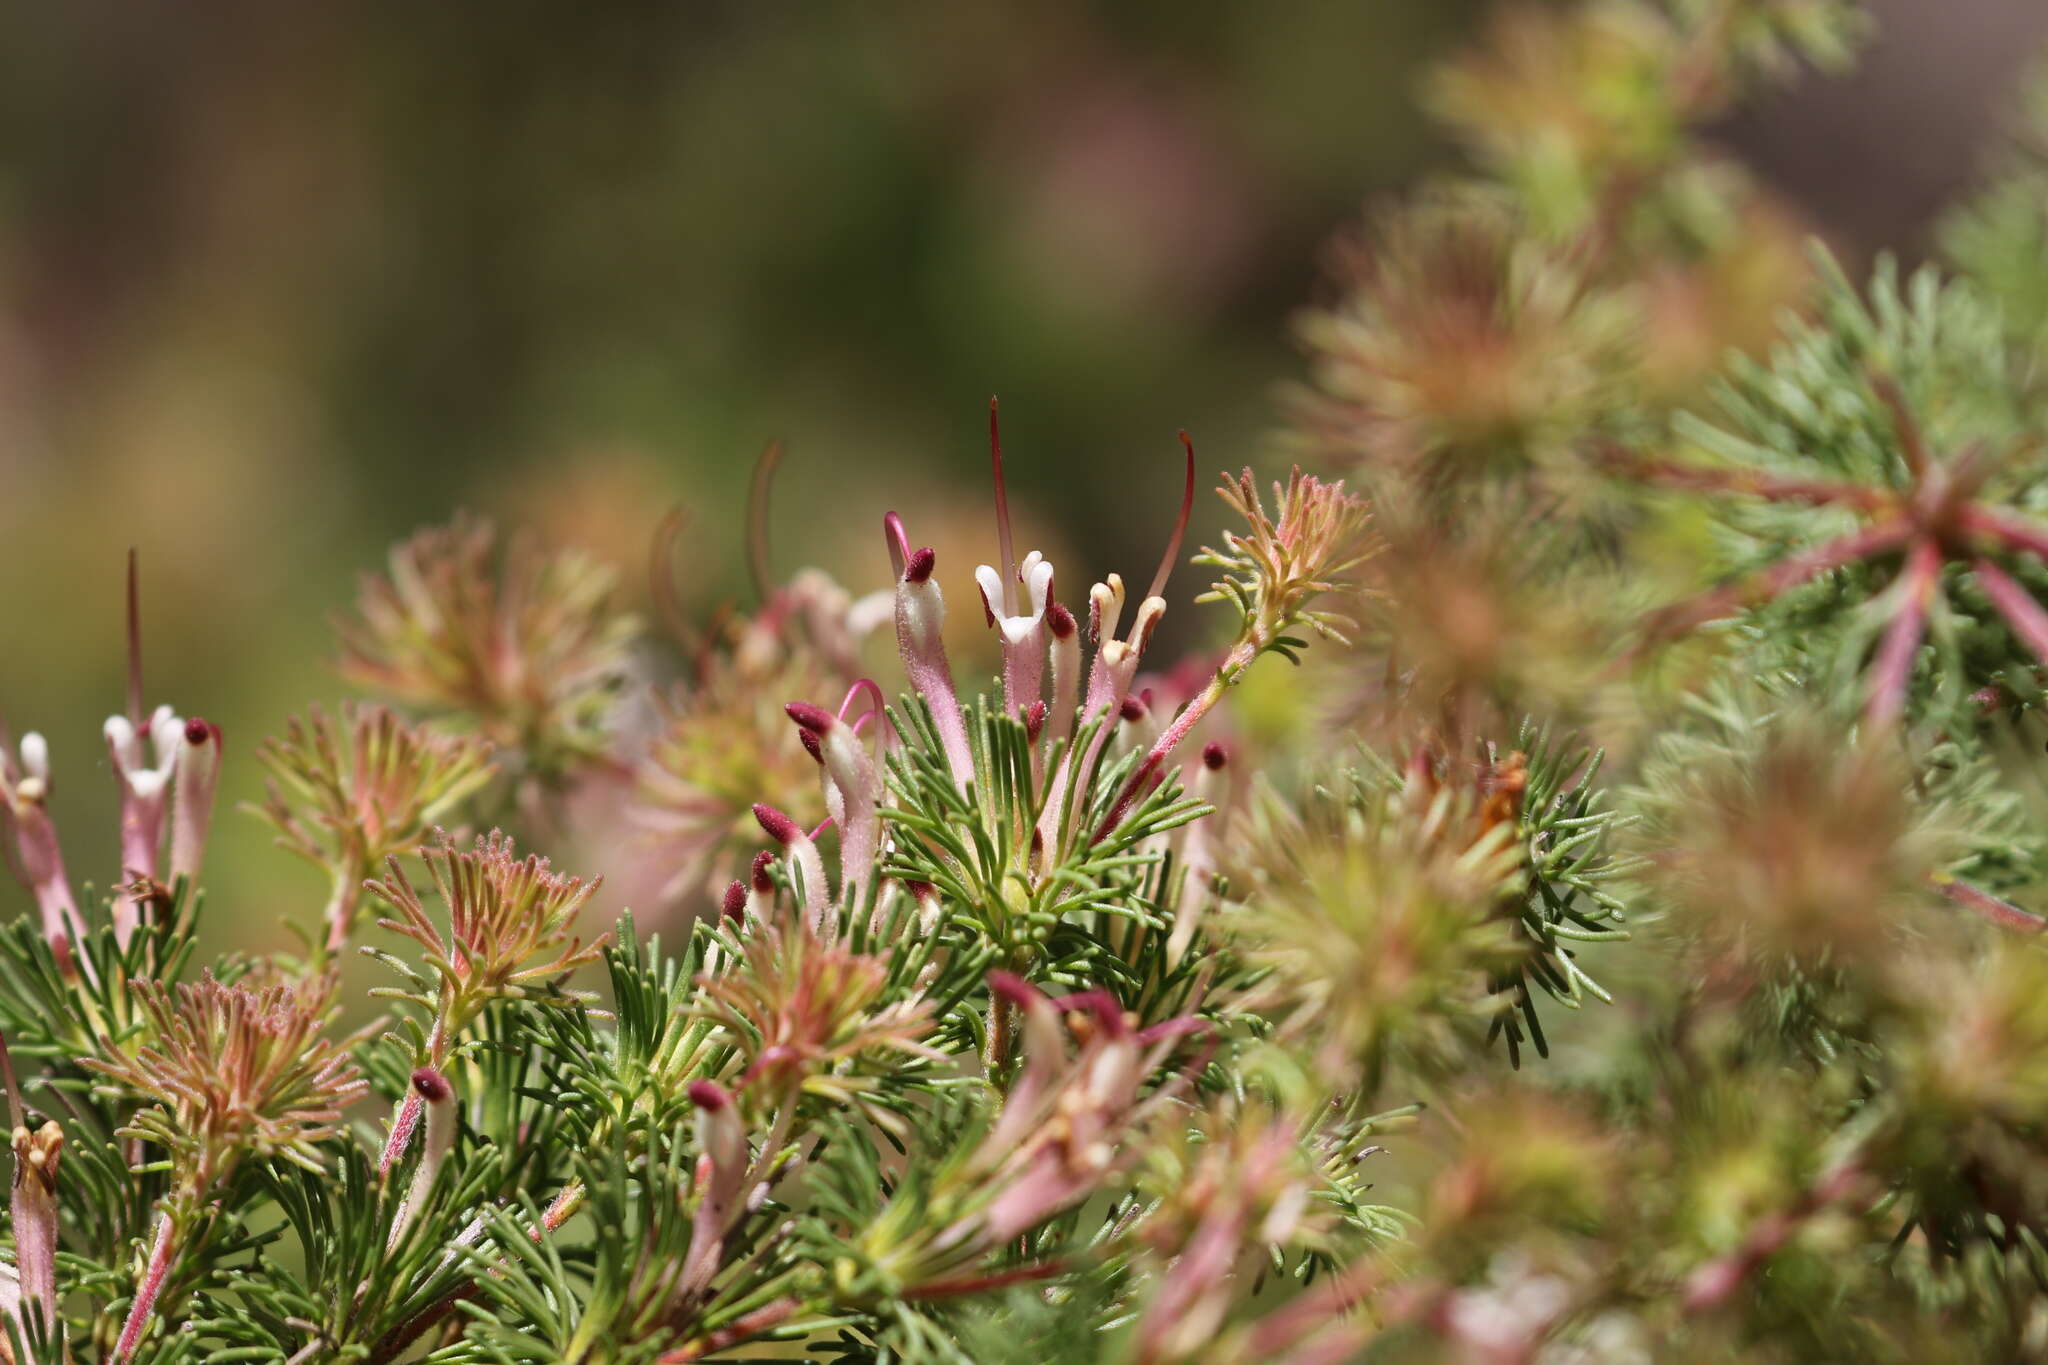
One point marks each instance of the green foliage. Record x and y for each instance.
(1065, 1044)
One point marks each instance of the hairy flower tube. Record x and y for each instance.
(25, 789)
(28, 1288)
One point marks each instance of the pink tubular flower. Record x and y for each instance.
(858, 789)
(145, 797)
(1061, 1131)
(920, 639)
(25, 790)
(33, 1210)
(720, 1184)
(437, 1098)
(813, 896)
(1023, 631)
(198, 775)
(1109, 684)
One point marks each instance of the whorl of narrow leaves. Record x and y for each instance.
(1460, 346)
(530, 645)
(231, 1070)
(801, 1009)
(1378, 919)
(511, 920)
(374, 793)
(1275, 569)
(348, 803)
(1883, 459)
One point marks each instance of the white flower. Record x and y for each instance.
(1035, 574)
(166, 737)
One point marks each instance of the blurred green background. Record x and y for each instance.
(279, 283)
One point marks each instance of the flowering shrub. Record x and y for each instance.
(1638, 966)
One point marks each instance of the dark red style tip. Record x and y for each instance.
(776, 825)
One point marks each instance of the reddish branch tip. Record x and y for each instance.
(1132, 709)
(432, 1085)
(763, 883)
(198, 731)
(709, 1095)
(1034, 721)
(1214, 756)
(1060, 622)
(815, 719)
(920, 566)
(776, 825)
(735, 903)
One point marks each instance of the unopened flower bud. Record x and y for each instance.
(198, 774)
(437, 1097)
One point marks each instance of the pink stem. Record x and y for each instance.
(340, 914)
(1170, 739)
(152, 1285)
(1782, 576)
(1894, 668)
(2015, 532)
(771, 1314)
(1814, 492)
(1996, 909)
(2016, 605)
(1713, 1283)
